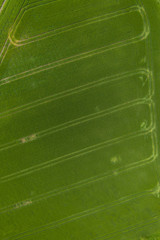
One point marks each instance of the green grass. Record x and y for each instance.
(79, 157)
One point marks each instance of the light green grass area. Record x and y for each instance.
(79, 120)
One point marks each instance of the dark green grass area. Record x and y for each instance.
(79, 120)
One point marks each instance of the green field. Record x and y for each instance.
(79, 120)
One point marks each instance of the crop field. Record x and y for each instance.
(79, 120)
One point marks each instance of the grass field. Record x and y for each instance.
(79, 120)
